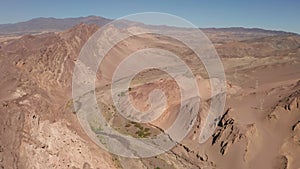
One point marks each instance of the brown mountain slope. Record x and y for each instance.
(38, 128)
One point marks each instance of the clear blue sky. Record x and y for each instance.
(268, 14)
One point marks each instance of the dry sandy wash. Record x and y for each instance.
(259, 128)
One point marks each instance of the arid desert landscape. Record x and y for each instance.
(39, 127)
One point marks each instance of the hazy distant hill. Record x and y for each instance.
(49, 24)
(225, 35)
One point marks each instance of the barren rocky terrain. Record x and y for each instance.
(259, 128)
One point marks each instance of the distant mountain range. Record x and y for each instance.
(39, 25)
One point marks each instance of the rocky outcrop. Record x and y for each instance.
(226, 134)
(11, 124)
(54, 145)
(291, 102)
